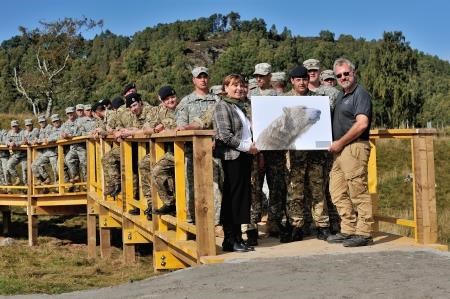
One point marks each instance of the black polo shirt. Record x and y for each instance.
(347, 108)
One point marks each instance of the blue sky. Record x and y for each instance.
(425, 24)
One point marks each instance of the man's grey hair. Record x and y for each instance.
(342, 61)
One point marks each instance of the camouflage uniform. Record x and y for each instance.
(29, 137)
(16, 156)
(190, 107)
(158, 115)
(306, 181)
(42, 136)
(275, 171)
(4, 156)
(75, 158)
(89, 123)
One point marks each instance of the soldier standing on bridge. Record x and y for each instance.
(14, 138)
(352, 116)
(4, 156)
(30, 135)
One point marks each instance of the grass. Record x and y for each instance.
(59, 262)
(395, 191)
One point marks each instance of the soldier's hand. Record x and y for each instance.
(159, 128)
(253, 149)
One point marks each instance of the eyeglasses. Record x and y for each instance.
(345, 74)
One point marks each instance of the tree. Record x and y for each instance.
(41, 80)
(326, 35)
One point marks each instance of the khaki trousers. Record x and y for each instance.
(348, 188)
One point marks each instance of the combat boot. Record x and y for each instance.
(252, 237)
(148, 213)
(323, 233)
(134, 211)
(338, 238)
(285, 233)
(297, 234)
(115, 190)
(165, 210)
(357, 240)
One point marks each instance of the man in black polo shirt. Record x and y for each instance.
(348, 177)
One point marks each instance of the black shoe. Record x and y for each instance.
(134, 211)
(165, 209)
(338, 238)
(323, 233)
(115, 190)
(286, 234)
(234, 247)
(247, 246)
(357, 240)
(297, 234)
(252, 237)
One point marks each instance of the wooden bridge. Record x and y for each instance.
(178, 243)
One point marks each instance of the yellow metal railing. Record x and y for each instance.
(424, 194)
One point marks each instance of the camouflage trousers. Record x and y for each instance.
(272, 164)
(307, 184)
(75, 160)
(4, 178)
(218, 177)
(146, 184)
(48, 157)
(13, 161)
(111, 167)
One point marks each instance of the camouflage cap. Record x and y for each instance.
(70, 109)
(312, 64)
(55, 117)
(216, 89)
(79, 107)
(327, 74)
(278, 77)
(41, 118)
(88, 107)
(28, 122)
(199, 70)
(262, 69)
(14, 123)
(252, 83)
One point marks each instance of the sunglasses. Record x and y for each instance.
(345, 74)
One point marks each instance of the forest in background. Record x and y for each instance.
(48, 68)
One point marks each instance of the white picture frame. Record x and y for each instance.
(291, 122)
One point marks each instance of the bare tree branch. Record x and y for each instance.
(60, 69)
(22, 91)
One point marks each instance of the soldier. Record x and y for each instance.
(306, 174)
(79, 110)
(75, 158)
(4, 156)
(14, 138)
(190, 107)
(133, 122)
(49, 155)
(89, 121)
(271, 164)
(313, 66)
(278, 82)
(327, 77)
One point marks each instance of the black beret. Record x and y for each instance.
(97, 106)
(117, 102)
(166, 91)
(132, 98)
(299, 72)
(105, 102)
(128, 87)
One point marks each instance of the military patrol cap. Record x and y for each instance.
(216, 89)
(166, 91)
(299, 72)
(55, 117)
(88, 107)
(117, 102)
(79, 107)
(70, 109)
(327, 74)
(278, 77)
(199, 70)
(262, 69)
(132, 98)
(28, 122)
(41, 118)
(128, 87)
(14, 123)
(312, 64)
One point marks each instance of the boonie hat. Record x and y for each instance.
(262, 69)
(312, 64)
(199, 70)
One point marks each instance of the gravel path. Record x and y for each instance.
(409, 273)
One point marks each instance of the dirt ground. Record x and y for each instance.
(408, 273)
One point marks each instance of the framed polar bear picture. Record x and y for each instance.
(291, 122)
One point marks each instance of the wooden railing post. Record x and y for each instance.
(372, 181)
(424, 192)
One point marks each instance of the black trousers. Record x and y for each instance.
(236, 190)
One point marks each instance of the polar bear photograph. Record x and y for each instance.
(290, 123)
